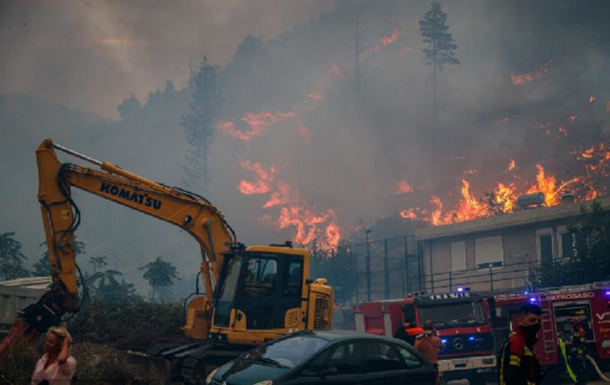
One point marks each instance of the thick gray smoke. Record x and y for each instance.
(336, 150)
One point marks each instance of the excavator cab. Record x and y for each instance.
(263, 292)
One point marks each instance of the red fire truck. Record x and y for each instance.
(461, 319)
(589, 303)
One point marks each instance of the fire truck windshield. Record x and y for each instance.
(451, 315)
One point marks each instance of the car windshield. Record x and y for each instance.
(289, 352)
(453, 315)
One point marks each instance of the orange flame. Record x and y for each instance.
(572, 118)
(511, 165)
(403, 187)
(257, 125)
(408, 214)
(592, 99)
(563, 131)
(261, 186)
(308, 226)
(387, 40)
(280, 197)
(526, 78)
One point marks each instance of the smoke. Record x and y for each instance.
(90, 54)
(336, 155)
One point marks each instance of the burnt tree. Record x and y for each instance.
(439, 46)
(199, 123)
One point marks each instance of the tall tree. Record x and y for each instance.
(159, 273)
(199, 123)
(11, 258)
(439, 46)
(358, 49)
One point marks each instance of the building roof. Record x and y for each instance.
(518, 218)
(35, 283)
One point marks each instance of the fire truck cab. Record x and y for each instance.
(589, 303)
(462, 320)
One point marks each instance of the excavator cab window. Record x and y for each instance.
(227, 287)
(294, 279)
(261, 278)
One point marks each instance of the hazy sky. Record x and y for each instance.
(89, 55)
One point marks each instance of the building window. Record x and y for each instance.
(458, 256)
(488, 252)
(566, 242)
(544, 240)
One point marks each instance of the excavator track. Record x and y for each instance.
(192, 363)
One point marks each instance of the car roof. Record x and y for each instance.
(335, 335)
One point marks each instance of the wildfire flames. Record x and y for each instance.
(387, 40)
(257, 125)
(526, 78)
(403, 187)
(307, 224)
(503, 197)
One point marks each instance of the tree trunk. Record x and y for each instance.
(434, 87)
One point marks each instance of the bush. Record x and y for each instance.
(18, 363)
(99, 364)
(134, 325)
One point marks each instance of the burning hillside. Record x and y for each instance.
(502, 198)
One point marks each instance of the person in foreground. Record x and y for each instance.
(56, 366)
(429, 345)
(518, 364)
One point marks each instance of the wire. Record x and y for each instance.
(196, 196)
(64, 188)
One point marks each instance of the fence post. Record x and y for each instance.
(450, 281)
(491, 278)
(386, 271)
(351, 255)
(420, 272)
(407, 281)
(368, 267)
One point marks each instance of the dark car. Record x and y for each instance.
(327, 357)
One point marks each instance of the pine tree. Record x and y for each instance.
(199, 123)
(440, 46)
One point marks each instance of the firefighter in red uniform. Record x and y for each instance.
(517, 363)
(408, 332)
(577, 353)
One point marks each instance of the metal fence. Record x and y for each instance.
(389, 268)
(393, 267)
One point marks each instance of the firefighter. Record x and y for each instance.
(577, 352)
(408, 332)
(517, 362)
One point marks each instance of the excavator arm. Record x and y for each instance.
(61, 217)
(252, 294)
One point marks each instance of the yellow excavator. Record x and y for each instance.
(252, 294)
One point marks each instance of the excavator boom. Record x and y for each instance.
(252, 294)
